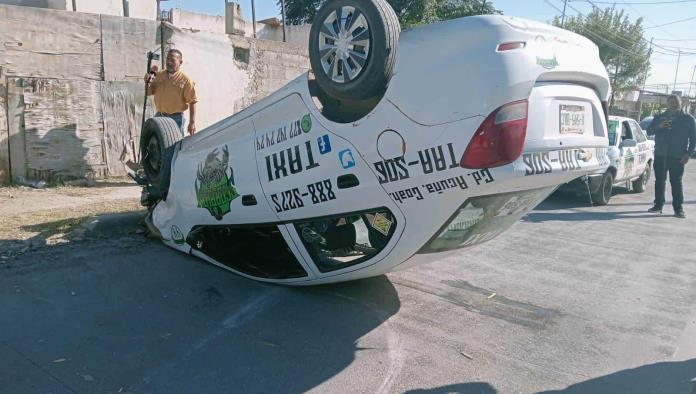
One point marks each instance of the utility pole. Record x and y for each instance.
(282, 10)
(677, 71)
(692, 81)
(253, 17)
(565, 3)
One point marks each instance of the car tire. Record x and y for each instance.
(641, 183)
(370, 66)
(603, 194)
(157, 143)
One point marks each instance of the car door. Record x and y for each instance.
(626, 168)
(642, 148)
(320, 187)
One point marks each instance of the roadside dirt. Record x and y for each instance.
(34, 218)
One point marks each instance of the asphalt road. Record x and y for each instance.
(572, 299)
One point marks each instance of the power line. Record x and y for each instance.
(594, 4)
(644, 2)
(646, 19)
(672, 23)
(678, 39)
(665, 51)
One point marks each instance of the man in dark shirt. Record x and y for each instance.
(675, 141)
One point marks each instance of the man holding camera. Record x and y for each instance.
(675, 141)
(174, 91)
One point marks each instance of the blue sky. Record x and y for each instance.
(663, 65)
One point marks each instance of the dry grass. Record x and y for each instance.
(51, 221)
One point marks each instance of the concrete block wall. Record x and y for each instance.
(71, 83)
(197, 21)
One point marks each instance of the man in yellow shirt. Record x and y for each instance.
(174, 91)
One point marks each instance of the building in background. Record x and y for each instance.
(233, 22)
(142, 9)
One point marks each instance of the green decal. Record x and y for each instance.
(306, 123)
(547, 63)
(215, 189)
(177, 235)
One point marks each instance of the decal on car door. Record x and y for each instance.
(215, 188)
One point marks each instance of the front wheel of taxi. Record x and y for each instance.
(603, 194)
(641, 183)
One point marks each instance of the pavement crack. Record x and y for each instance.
(39, 367)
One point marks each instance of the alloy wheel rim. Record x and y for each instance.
(344, 44)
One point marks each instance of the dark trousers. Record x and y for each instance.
(673, 166)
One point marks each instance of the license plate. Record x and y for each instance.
(572, 119)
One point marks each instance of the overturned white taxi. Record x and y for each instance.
(398, 147)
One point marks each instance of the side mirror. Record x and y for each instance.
(628, 144)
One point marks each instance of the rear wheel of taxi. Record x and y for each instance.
(352, 48)
(157, 141)
(641, 183)
(603, 195)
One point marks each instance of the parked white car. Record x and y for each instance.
(386, 155)
(630, 158)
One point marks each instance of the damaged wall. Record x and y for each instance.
(126, 42)
(71, 90)
(47, 43)
(52, 4)
(4, 135)
(63, 127)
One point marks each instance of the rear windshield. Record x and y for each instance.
(481, 219)
(613, 125)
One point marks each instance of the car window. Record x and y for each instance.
(637, 131)
(349, 239)
(613, 124)
(481, 219)
(626, 133)
(258, 250)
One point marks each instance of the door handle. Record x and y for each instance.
(347, 181)
(248, 199)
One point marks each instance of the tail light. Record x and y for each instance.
(508, 46)
(500, 138)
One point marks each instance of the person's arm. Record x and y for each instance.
(691, 131)
(192, 119)
(191, 99)
(150, 80)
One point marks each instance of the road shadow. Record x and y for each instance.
(562, 199)
(139, 317)
(462, 388)
(58, 155)
(675, 377)
(540, 217)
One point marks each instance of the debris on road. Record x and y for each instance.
(466, 355)
(31, 183)
(492, 295)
